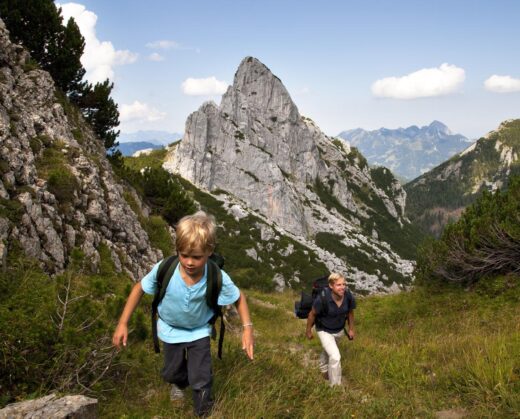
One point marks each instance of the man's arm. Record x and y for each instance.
(248, 340)
(311, 319)
(350, 321)
(121, 332)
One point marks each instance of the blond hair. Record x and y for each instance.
(196, 232)
(335, 277)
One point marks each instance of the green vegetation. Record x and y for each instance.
(58, 48)
(437, 348)
(442, 193)
(484, 241)
(59, 331)
(404, 240)
(159, 189)
(236, 237)
(359, 257)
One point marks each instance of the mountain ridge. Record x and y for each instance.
(410, 151)
(440, 195)
(274, 162)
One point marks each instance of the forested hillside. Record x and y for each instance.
(439, 196)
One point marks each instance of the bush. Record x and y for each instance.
(62, 184)
(484, 241)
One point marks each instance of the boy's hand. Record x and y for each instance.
(248, 341)
(120, 335)
(309, 335)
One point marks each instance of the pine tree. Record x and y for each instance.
(100, 110)
(37, 25)
(65, 65)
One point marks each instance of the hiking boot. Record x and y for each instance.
(176, 394)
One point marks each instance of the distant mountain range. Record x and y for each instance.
(131, 142)
(407, 152)
(128, 149)
(152, 136)
(440, 196)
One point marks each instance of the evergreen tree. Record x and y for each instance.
(37, 25)
(100, 110)
(65, 66)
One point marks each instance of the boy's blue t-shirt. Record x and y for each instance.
(183, 312)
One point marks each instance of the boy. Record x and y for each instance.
(184, 314)
(330, 325)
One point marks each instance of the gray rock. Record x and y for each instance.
(52, 407)
(271, 161)
(31, 123)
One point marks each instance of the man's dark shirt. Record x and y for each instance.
(334, 320)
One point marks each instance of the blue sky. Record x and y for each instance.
(347, 64)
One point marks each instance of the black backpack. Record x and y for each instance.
(303, 307)
(213, 287)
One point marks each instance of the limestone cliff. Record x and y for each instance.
(257, 147)
(57, 189)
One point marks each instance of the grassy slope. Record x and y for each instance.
(415, 354)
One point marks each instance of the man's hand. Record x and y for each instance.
(309, 334)
(350, 334)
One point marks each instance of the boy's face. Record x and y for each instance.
(193, 262)
(339, 287)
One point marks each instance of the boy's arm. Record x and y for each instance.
(311, 318)
(248, 340)
(121, 332)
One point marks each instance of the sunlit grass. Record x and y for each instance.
(414, 355)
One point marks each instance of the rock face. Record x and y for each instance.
(257, 147)
(57, 189)
(441, 195)
(68, 407)
(407, 152)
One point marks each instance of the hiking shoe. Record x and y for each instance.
(176, 394)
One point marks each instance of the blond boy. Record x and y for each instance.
(184, 314)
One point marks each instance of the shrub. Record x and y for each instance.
(484, 241)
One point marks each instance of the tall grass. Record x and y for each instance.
(415, 354)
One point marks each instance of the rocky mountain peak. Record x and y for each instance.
(256, 89)
(280, 165)
(439, 128)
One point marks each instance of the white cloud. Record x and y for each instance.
(204, 87)
(426, 82)
(163, 44)
(139, 112)
(155, 57)
(502, 84)
(99, 57)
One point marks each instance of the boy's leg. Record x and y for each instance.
(328, 341)
(200, 375)
(175, 370)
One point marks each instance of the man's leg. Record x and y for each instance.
(328, 341)
(200, 375)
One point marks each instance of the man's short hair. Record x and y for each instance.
(196, 232)
(335, 277)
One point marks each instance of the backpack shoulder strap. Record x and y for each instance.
(164, 274)
(213, 288)
(214, 285)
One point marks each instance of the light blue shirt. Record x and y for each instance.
(183, 312)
